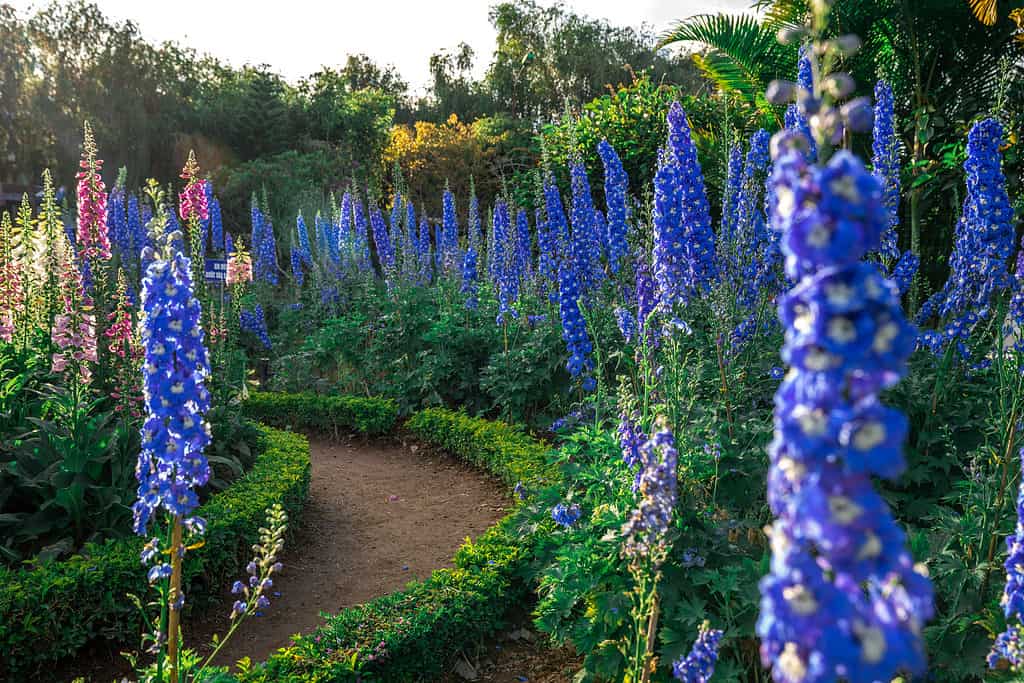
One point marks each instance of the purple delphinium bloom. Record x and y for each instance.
(449, 231)
(302, 234)
(216, 223)
(473, 228)
(698, 237)
(730, 197)
(565, 516)
(645, 529)
(574, 327)
(632, 439)
(469, 279)
(885, 165)
(385, 248)
(255, 322)
(844, 599)
(503, 263)
(117, 222)
(616, 187)
(524, 245)
(904, 270)
(296, 263)
(626, 323)
(699, 665)
(1008, 644)
(668, 254)
(171, 463)
(983, 243)
(796, 119)
(585, 245)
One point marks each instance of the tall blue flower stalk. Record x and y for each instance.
(361, 231)
(216, 225)
(700, 270)
(473, 228)
(843, 599)
(524, 246)
(699, 665)
(255, 322)
(557, 225)
(547, 256)
(302, 237)
(382, 242)
(885, 164)
(470, 286)
(616, 188)
(296, 263)
(574, 327)
(503, 263)
(585, 247)
(117, 223)
(730, 197)
(1009, 645)
(423, 249)
(795, 119)
(984, 241)
(669, 258)
(171, 463)
(449, 232)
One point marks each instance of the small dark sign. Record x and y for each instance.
(216, 270)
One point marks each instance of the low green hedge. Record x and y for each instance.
(415, 634)
(373, 416)
(48, 613)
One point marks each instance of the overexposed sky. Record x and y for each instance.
(296, 37)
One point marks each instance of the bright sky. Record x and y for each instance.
(296, 37)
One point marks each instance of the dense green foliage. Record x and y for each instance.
(65, 604)
(328, 414)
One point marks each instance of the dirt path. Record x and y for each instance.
(378, 516)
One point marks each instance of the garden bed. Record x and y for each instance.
(66, 604)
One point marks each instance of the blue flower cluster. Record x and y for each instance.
(904, 270)
(699, 665)
(1008, 645)
(171, 463)
(448, 246)
(574, 327)
(585, 250)
(117, 223)
(844, 599)
(524, 245)
(984, 241)
(216, 223)
(669, 240)
(469, 279)
(885, 164)
(731, 194)
(255, 322)
(296, 263)
(503, 262)
(264, 247)
(616, 187)
(645, 529)
(565, 516)
(698, 237)
(382, 243)
(796, 119)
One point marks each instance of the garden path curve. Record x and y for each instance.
(379, 515)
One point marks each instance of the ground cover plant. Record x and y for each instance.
(785, 419)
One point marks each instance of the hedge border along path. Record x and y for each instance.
(425, 626)
(49, 613)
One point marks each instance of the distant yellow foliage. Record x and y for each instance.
(431, 154)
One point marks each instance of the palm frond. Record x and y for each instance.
(745, 54)
(984, 11)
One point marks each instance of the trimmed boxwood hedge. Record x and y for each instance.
(49, 612)
(414, 634)
(373, 416)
